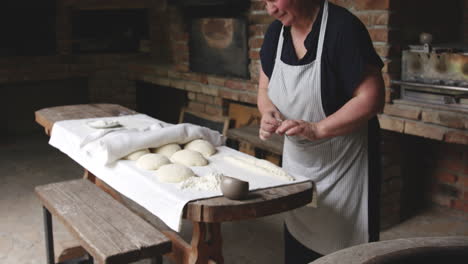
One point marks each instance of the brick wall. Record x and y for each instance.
(450, 186)
(428, 134)
(434, 174)
(207, 93)
(374, 14)
(392, 182)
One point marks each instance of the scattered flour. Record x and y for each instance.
(210, 182)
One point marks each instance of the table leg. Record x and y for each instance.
(89, 176)
(99, 183)
(206, 243)
(205, 247)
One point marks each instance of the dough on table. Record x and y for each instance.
(137, 154)
(152, 161)
(189, 157)
(204, 147)
(259, 166)
(167, 150)
(174, 173)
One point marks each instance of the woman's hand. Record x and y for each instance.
(308, 130)
(271, 120)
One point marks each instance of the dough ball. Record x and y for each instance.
(167, 150)
(204, 147)
(152, 161)
(174, 173)
(189, 157)
(137, 154)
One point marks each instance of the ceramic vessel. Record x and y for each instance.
(233, 188)
(425, 38)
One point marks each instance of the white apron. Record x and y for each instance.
(338, 166)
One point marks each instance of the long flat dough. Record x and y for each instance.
(259, 166)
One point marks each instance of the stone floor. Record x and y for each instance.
(29, 161)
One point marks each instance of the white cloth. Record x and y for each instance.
(164, 200)
(337, 165)
(137, 132)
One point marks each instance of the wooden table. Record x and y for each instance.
(206, 214)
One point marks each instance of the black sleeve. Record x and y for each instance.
(269, 47)
(354, 50)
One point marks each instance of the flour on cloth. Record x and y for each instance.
(210, 182)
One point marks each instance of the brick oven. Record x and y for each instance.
(425, 161)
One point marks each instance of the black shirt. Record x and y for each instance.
(347, 50)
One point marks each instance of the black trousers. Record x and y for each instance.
(295, 252)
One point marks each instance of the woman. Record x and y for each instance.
(320, 85)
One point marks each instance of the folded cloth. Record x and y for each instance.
(137, 132)
(118, 144)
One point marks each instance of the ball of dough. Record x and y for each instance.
(174, 173)
(204, 147)
(137, 154)
(189, 157)
(167, 150)
(152, 161)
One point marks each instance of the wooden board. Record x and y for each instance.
(249, 134)
(109, 231)
(258, 203)
(48, 116)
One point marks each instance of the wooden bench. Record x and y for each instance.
(271, 149)
(106, 229)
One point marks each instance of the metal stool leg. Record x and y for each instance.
(49, 239)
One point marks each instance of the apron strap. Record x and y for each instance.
(279, 49)
(323, 29)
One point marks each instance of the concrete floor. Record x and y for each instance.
(29, 161)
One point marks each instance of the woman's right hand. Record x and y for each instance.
(270, 121)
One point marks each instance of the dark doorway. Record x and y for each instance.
(160, 102)
(19, 101)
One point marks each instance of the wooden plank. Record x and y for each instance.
(48, 116)
(106, 228)
(243, 115)
(181, 250)
(258, 203)
(217, 121)
(68, 251)
(249, 134)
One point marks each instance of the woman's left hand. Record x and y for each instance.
(301, 128)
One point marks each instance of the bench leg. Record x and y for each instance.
(49, 239)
